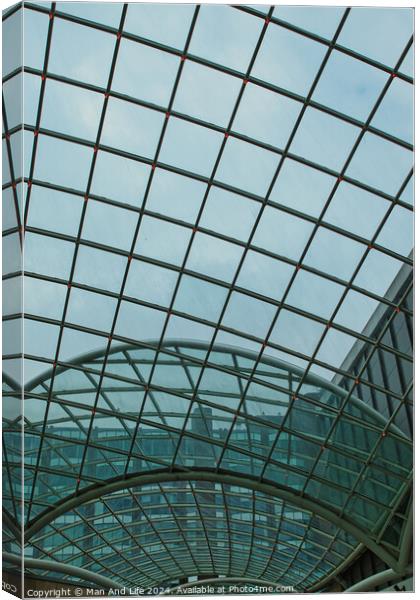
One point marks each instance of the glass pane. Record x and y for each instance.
(132, 128)
(377, 273)
(249, 315)
(12, 36)
(48, 255)
(221, 214)
(94, 311)
(266, 116)
(190, 147)
(162, 241)
(71, 110)
(247, 167)
(44, 298)
(264, 275)
(55, 211)
(150, 283)
(12, 94)
(335, 348)
(81, 53)
(135, 62)
(214, 257)
(109, 225)
(301, 59)
(98, 268)
(200, 298)
(379, 33)
(296, 332)
(380, 164)
(62, 163)
(139, 322)
(36, 30)
(175, 195)
(314, 294)
(160, 22)
(356, 210)
(235, 33)
(106, 13)
(295, 233)
(324, 140)
(397, 232)
(395, 114)
(206, 94)
(119, 178)
(349, 86)
(356, 311)
(334, 254)
(32, 85)
(322, 20)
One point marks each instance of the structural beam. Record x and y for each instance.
(51, 565)
(367, 585)
(286, 494)
(406, 544)
(310, 378)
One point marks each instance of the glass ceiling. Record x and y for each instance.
(217, 206)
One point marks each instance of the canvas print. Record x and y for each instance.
(208, 299)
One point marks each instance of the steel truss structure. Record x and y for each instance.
(208, 255)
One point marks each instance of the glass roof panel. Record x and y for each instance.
(53, 210)
(150, 283)
(213, 257)
(174, 195)
(162, 241)
(245, 306)
(378, 33)
(324, 139)
(225, 36)
(206, 94)
(356, 210)
(132, 72)
(334, 254)
(220, 213)
(349, 86)
(301, 60)
(246, 167)
(321, 20)
(109, 225)
(62, 163)
(131, 128)
(99, 268)
(295, 233)
(36, 27)
(80, 53)
(264, 275)
(260, 109)
(190, 147)
(129, 187)
(395, 114)
(387, 167)
(71, 110)
(162, 23)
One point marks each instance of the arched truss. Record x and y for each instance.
(129, 214)
(294, 482)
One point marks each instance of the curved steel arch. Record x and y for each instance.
(315, 507)
(53, 565)
(155, 344)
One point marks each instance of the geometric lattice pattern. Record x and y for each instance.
(209, 212)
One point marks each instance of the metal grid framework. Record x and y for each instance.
(215, 427)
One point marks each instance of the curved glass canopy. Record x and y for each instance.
(217, 261)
